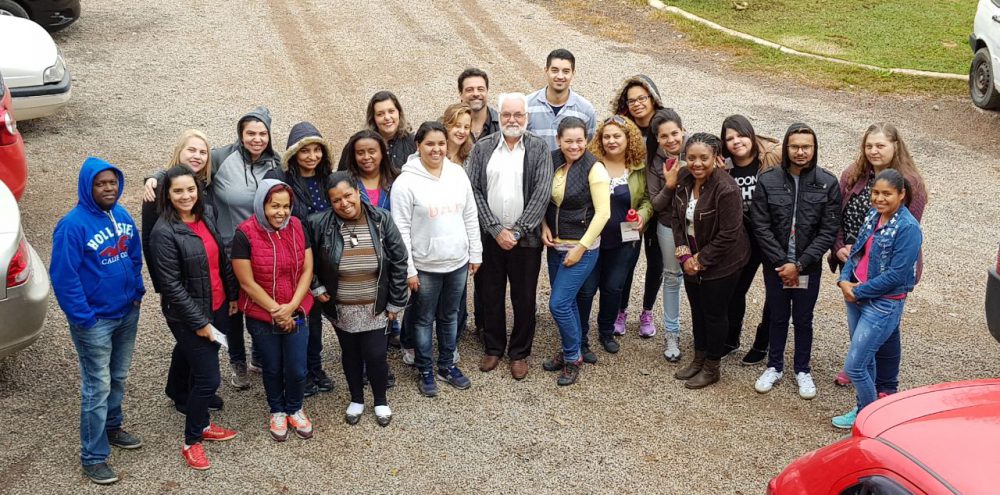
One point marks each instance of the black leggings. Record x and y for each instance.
(709, 300)
(361, 351)
(654, 272)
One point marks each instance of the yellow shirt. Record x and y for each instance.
(600, 194)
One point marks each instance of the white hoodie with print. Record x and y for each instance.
(437, 218)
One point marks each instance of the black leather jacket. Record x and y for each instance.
(328, 247)
(181, 272)
(817, 216)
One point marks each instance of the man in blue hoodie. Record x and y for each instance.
(96, 272)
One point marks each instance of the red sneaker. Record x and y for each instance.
(216, 433)
(195, 457)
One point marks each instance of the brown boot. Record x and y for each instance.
(708, 375)
(693, 367)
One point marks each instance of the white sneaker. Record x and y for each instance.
(672, 352)
(807, 389)
(408, 356)
(768, 380)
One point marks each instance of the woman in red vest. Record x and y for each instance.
(273, 263)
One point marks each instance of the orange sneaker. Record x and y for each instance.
(216, 433)
(279, 426)
(195, 457)
(301, 424)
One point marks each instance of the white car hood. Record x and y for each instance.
(28, 51)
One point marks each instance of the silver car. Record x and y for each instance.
(24, 281)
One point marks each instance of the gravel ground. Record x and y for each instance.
(144, 70)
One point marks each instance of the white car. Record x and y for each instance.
(24, 281)
(984, 73)
(33, 69)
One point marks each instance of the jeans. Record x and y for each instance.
(463, 314)
(436, 302)
(654, 272)
(283, 359)
(797, 305)
(609, 275)
(709, 301)
(361, 351)
(314, 348)
(738, 305)
(234, 336)
(566, 282)
(105, 354)
(194, 374)
(887, 361)
(673, 279)
(520, 267)
(871, 323)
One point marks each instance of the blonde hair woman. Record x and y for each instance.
(457, 119)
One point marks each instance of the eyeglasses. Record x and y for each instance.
(641, 99)
(617, 119)
(508, 115)
(807, 147)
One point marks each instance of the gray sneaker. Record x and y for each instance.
(100, 473)
(240, 379)
(123, 439)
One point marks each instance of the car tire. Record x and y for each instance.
(981, 85)
(9, 7)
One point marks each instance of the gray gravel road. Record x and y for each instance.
(143, 70)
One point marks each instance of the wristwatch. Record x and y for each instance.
(798, 266)
(517, 235)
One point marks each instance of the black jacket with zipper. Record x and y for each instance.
(817, 216)
(328, 247)
(181, 273)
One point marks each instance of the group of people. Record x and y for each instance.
(382, 245)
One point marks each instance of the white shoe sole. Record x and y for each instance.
(758, 389)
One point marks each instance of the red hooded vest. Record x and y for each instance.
(276, 259)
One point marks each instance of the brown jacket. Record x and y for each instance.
(723, 246)
(661, 196)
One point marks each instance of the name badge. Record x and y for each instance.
(630, 231)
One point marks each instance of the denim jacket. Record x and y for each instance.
(892, 263)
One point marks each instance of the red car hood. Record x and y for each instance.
(953, 429)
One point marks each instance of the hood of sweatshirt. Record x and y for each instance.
(85, 183)
(262, 114)
(619, 105)
(258, 204)
(413, 165)
(301, 135)
(798, 128)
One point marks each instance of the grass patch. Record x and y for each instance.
(750, 57)
(913, 34)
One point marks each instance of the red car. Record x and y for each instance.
(939, 439)
(13, 164)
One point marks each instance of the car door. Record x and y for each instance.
(987, 27)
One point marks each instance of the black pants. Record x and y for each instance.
(520, 266)
(360, 351)
(193, 377)
(738, 304)
(654, 272)
(314, 349)
(709, 300)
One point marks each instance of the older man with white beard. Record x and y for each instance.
(474, 90)
(511, 175)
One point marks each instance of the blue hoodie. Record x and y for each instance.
(96, 266)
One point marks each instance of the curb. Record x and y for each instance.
(659, 5)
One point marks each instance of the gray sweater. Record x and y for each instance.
(537, 186)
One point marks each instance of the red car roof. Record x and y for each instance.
(951, 429)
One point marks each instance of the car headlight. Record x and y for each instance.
(55, 73)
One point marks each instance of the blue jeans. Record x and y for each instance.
(283, 359)
(887, 361)
(673, 280)
(609, 275)
(105, 354)
(871, 323)
(566, 282)
(436, 301)
(790, 304)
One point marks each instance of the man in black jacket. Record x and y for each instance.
(796, 215)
